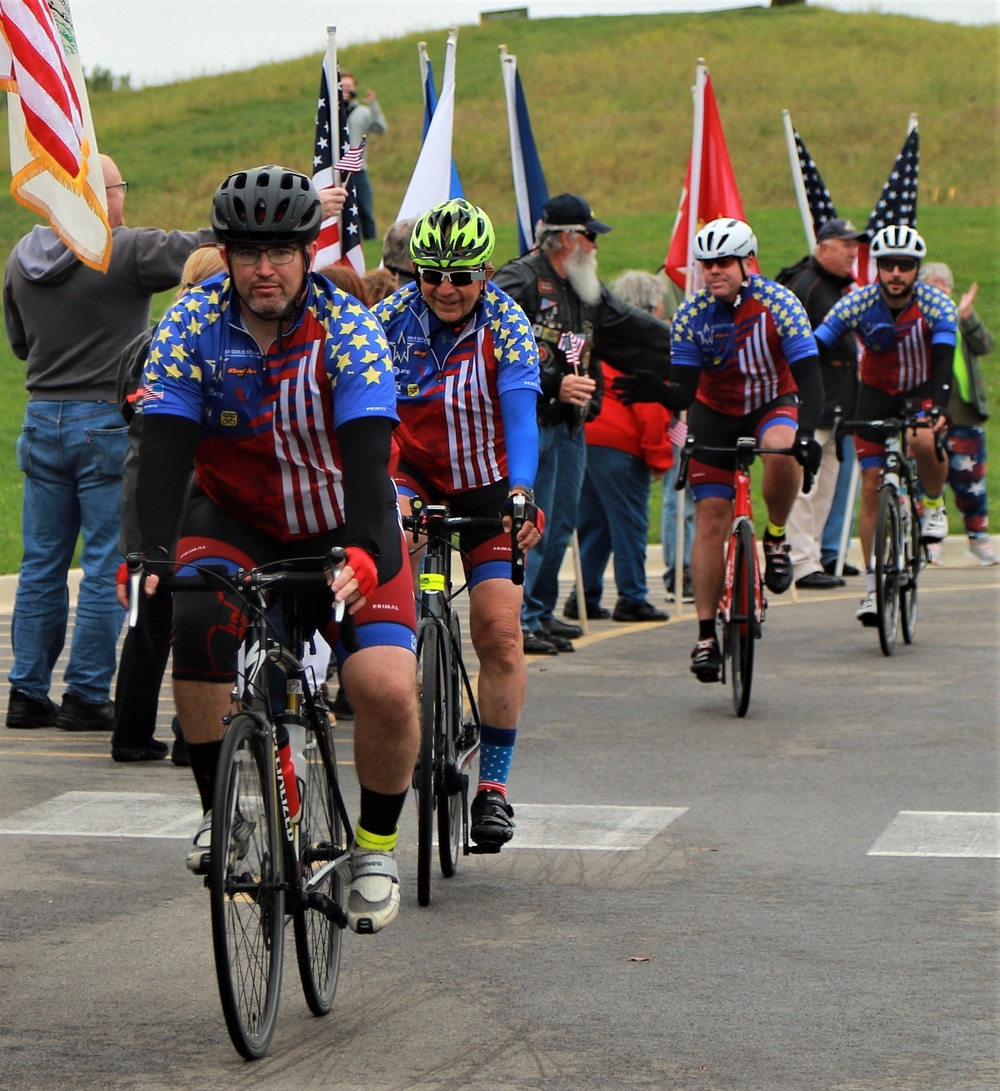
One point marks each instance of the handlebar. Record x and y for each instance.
(745, 450)
(912, 418)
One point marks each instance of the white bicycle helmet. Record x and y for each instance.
(725, 239)
(898, 241)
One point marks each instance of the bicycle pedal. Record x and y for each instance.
(484, 850)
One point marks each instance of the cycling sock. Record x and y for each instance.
(870, 580)
(374, 842)
(204, 758)
(933, 501)
(496, 751)
(379, 814)
(706, 629)
(774, 533)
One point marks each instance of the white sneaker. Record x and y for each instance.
(867, 614)
(197, 858)
(981, 552)
(934, 524)
(373, 892)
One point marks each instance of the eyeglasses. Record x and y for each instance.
(590, 236)
(904, 265)
(460, 278)
(123, 186)
(720, 263)
(250, 255)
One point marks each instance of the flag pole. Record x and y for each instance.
(697, 140)
(333, 86)
(798, 181)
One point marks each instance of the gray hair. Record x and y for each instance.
(396, 245)
(549, 236)
(639, 288)
(937, 270)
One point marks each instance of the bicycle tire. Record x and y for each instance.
(318, 939)
(913, 559)
(448, 779)
(431, 711)
(888, 550)
(245, 887)
(741, 628)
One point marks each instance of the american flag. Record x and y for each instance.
(897, 204)
(677, 432)
(820, 202)
(572, 346)
(353, 159)
(339, 239)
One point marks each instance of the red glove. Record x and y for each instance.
(363, 564)
(121, 578)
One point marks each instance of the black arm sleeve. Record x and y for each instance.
(166, 458)
(682, 387)
(365, 443)
(942, 358)
(629, 339)
(809, 380)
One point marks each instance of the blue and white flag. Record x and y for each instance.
(530, 190)
(430, 105)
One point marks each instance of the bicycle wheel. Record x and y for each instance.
(245, 887)
(431, 715)
(321, 845)
(913, 562)
(888, 550)
(448, 780)
(741, 629)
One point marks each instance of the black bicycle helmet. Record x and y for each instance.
(267, 204)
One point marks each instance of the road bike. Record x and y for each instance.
(900, 553)
(449, 714)
(264, 868)
(742, 604)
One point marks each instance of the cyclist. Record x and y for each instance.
(277, 388)
(467, 378)
(744, 359)
(907, 331)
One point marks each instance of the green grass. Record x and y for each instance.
(611, 111)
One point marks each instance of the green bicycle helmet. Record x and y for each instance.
(453, 235)
(267, 203)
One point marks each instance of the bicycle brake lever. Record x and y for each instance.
(516, 557)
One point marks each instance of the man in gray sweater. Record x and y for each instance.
(70, 323)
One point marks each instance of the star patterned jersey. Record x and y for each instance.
(451, 428)
(267, 452)
(896, 352)
(744, 351)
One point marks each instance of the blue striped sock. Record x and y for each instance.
(496, 749)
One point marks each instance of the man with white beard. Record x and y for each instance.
(577, 322)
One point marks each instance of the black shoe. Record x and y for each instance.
(560, 643)
(706, 660)
(24, 711)
(492, 824)
(154, 750)
(830, 568)
(179, 751)
(777, 566)
(594, 613)
(629, 610)
(342, 707)
(687, 591)
(554, 627)
(820, 581)
(77, 714)
(538, 643)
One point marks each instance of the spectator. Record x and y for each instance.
(577, 321)
(347, 279)
(626, 446)
(819, 281)
(71, 323)
(396, 250)
(968, 410)
(379, 284)
(362, 118)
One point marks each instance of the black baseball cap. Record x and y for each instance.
(838, 229)
(570, 210)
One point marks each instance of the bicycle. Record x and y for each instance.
(449, 714)
(899, 551)
(742, 604)
(265, 868)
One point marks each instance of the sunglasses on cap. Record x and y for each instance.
(904, 265)
(460, 278)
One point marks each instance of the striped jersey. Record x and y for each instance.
(267, 452)
(896, 351)
(744, 351)
(449, 384)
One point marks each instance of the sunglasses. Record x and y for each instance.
(460, 278)
(721, 263)
(590, 236)
(904, 265)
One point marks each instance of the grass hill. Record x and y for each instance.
(611, 110)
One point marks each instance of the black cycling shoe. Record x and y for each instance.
(706, 660)
(492, 820)
(777, 565)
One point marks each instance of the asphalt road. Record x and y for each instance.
(803, 899)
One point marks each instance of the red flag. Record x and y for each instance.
(717, 193)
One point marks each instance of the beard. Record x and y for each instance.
(581, 272)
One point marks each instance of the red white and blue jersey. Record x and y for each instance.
(451, 428)
(744, 351)
(268, 420)
(896, 350)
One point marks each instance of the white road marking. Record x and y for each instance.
(965, 834)
(108, 814)
(607, 829)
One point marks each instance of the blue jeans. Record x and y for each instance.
(833, 528)
(71, 455)
(562, 460)
(668, 523)
(614, 518)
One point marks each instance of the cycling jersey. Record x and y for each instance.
(451, 384)
(744, 350)
(896, 353)
(268, 419)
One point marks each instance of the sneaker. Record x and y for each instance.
(553, 626)
(25, 711)
(629, 610)
(492, 820)
(979, 551)
(934, 554)
(934, 524)
(342, 707)
(687, 591)
(538, 643)
(76, 714)
(373, 892)
(594, 613)
(706, 660)
(198, 856)
(867, 613)
(777, 566)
